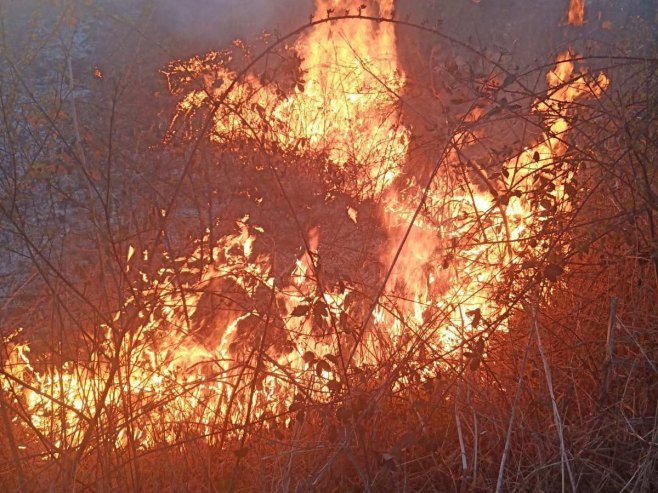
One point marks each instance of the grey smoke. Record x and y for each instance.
(217, 22)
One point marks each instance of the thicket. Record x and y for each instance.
(565, 399)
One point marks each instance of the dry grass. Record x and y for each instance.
(565, 400)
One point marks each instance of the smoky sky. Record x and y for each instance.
(217, 22)
(528, 29)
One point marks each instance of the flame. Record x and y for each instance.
(215, 340)
(576, 14)
(360, 131)
(482, 234)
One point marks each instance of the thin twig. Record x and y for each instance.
(556, 412)
(510, 426)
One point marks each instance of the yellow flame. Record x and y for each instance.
(182, 366)
(347, 107)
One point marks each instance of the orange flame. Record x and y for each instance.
(576, 14)
(346, 108)
(184, 366)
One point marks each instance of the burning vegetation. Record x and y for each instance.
(401, 293)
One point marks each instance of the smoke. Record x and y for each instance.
(531, 30)
(214, 23)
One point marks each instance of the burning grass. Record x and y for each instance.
(456, 363)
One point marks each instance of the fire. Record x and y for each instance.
(477, 235)
(179, 367)
(576, 14)
(360, 132)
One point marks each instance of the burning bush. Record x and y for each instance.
(377, 304)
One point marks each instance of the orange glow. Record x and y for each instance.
(360, 131)
(576, 14)
(183, 369)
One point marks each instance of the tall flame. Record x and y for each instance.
(454, 261)
(346, 108)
